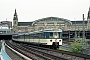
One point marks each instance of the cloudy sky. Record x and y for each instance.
(31, 10)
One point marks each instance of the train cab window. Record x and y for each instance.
(56, 35)
(51, 35)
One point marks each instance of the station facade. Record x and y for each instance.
(50, 23)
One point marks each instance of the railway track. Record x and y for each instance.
(34, 54)
(50, 54)
(59, 53)
(13, 55)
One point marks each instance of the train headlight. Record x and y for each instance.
(50, 40)
(59, 40)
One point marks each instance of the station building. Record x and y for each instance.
(71, 29)
(51, 23)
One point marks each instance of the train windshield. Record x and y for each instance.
(55, 35)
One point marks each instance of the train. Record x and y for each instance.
(48, 38)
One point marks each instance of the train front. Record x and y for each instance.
(54, 38)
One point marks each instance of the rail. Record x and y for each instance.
(60, 53)
(33, 54)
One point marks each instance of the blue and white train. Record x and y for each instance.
(49, 38)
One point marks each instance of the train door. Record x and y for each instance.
(47, 34)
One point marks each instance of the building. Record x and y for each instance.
(51, 23)
(5, 26)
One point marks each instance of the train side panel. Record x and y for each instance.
(42, 41)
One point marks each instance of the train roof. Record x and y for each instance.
(35, 32)
(52, 30)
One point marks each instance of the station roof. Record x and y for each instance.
(24, 23)
(52, 19)
(78, 22)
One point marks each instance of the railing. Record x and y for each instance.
(4, 55)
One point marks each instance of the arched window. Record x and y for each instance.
(14, 22)
(40, 29)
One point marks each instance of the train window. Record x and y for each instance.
(31, 35)
(15, 36)
(36, 35)
(21, 36)
(40, 35)
(27, 36)
(60, 35)
(55, 33)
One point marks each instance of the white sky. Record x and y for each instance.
(31, 10)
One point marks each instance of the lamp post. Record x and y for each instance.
(83, 29)
(69, 34)
(78, 33)
(75, 30)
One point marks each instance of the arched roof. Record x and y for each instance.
(52, 19)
